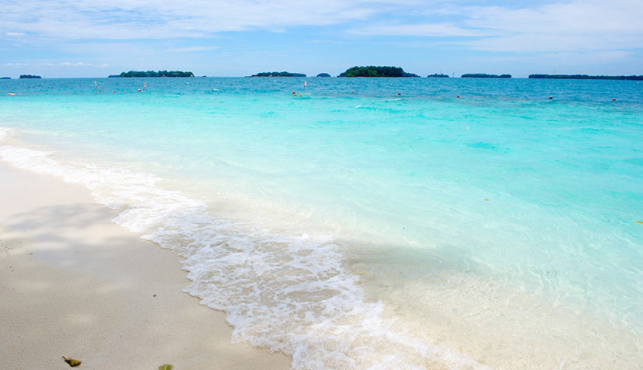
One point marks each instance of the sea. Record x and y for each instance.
(392, 223)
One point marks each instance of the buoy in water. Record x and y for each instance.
(613, 99)
(551, 97)
(458, 96)
(139, 89)
(399, 93)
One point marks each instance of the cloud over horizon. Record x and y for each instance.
(572, 28)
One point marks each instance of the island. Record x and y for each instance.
(22, 77)
(376, 71)
(435, 75)
(484, 75)
(153, 74)
(585, 77)
(5, 78)
(323, 75)
(279, 74)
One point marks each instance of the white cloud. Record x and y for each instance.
(576, 26)
(155, 19)
(420, 30)
(193, 49)
(553, 27)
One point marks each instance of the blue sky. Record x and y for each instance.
(95, 38)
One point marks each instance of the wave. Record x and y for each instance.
(287, 293)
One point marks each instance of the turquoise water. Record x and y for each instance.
(352, 227)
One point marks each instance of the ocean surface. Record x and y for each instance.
(372, 223)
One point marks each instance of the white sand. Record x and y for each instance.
(73, 283)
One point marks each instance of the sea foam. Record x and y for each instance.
(288, 293)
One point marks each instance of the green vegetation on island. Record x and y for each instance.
(29, 76)
(376, 71)
(586, 77)
(279, 74)
(484, 75)
(5, 78)
(435, 75)
(154, 74)
(323, 75)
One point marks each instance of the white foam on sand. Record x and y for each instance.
(288, 293)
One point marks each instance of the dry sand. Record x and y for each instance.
(73, 283)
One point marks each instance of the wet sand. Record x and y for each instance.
(72, 283)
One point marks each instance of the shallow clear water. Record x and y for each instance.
(353, 227)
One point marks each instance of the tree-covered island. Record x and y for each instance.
(376, 71)
(436, 75)
(323, 75)
(28, 76)
(484, 75)
(279, 74)
(154, 74)
(585, 77)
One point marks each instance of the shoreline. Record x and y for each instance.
(75, 284)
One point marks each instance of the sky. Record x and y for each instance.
(96, 38)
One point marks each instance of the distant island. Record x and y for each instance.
(435, 75)
(5, 78)
(154, 74)
(484, 75)
(279, 74)
(29, 76)
(323, 75)
(586, 77)
(376, 71)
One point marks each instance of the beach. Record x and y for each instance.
(463, 224)
(75, 284)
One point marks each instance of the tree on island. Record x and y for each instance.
(586, 77)
(154, 74)
(376, 71)
(484, 75)
(279, 74)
